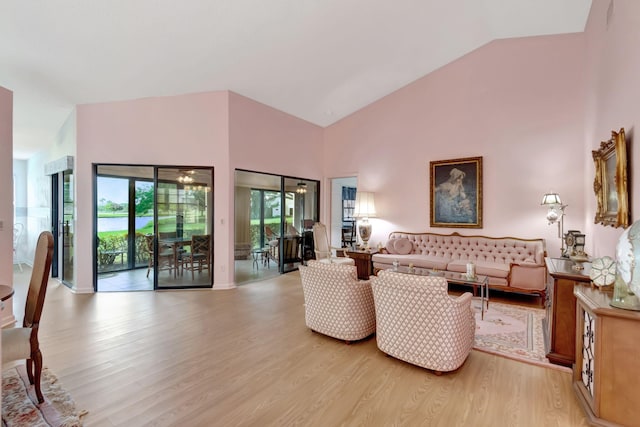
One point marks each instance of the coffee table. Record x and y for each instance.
(455, 278)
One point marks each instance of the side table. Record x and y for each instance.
(559, 325)
(363, 261)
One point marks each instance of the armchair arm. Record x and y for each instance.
(329, 253)
(462, 300)
(359, 284)
(527, 276)
(343, 250)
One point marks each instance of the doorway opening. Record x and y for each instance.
(343, 224)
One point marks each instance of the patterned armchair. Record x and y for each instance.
(337, 304)
(418, 322)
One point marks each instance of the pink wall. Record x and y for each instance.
(6, 195)
(180, 130)
(219, 129)
(264, 139)
(6, 191)
(518, 103)
(534, 108)
(613, 68)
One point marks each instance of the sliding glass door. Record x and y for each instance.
(146, 217)
(184, 212)
(62, 226)
(273, 220)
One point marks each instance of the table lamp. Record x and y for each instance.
(365, 208)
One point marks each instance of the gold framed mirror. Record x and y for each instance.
(610, 183)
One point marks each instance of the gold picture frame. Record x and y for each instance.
(611, 183)
(456, 193)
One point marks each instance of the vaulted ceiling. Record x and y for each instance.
(319, 60)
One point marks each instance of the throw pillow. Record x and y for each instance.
(390, 247)
(403, 246)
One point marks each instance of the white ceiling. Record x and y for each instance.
(319, 60)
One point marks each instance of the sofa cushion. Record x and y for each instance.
(483, 268)
(384, 261)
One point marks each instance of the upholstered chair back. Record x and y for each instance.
(337, 304)
(418, 322)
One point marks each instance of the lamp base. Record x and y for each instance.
(364, 229)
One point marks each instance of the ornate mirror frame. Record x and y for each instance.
(610, 184)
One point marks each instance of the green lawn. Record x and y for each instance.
(164, 224)
(112, 214)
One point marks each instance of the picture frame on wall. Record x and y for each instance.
(611, 183)
(456, 193)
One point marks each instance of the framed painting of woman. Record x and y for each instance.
(456, 193)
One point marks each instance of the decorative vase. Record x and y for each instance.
(471, 270)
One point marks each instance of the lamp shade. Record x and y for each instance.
(365, 205)
(551, 199)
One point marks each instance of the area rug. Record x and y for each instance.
(512, 331)
(20, 406)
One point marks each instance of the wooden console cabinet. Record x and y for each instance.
(363, 262)
(560, 321)
(607, 368)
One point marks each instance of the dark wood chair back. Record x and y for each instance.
(201, 244)
(39, 279)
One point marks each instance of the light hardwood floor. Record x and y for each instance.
(244, 357)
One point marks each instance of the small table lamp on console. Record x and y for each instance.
(365, 208)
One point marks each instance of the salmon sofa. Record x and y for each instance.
(511, 264)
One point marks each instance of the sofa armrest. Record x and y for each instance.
(527, 276)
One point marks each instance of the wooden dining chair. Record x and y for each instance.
(22, 343)
(199, 258)
(348, 235)
(165, 255)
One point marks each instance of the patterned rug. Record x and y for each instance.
(20, 406)
(512, 331)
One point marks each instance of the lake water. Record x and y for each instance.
(121, 223)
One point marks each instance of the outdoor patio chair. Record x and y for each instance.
(199, 256)
(165, 256)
